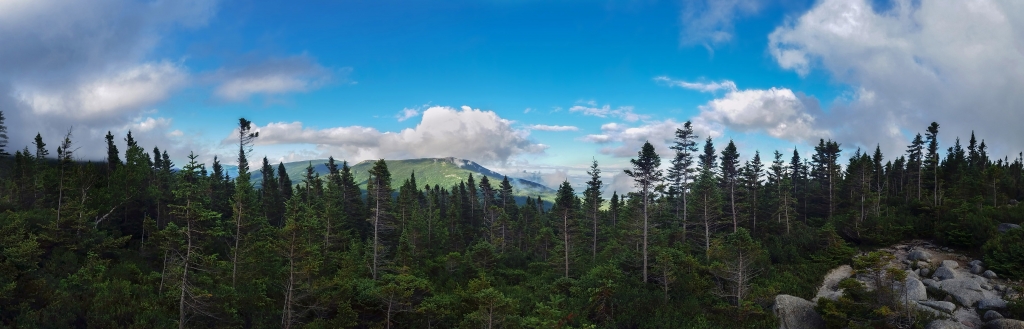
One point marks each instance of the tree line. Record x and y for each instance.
(140, 241)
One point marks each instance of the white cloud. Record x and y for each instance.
(710, 22)
(406, 114)
(777, 111)
(271, 77)
(707, 87)
(88, 66)
(623, 112)
(122, 92)
(624, 141)
(959, 63)
(467, 133)
(553, 128)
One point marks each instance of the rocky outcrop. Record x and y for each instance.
(946, 307)
(944, 273)
(991, 304)
(1007, 226)
(915, 289)
(1004, 324)
(920, 255)
(966, 292)
(945, 324)
(796, 313)
(830, 286)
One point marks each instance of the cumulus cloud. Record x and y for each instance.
(624, 141)
(707, 87)
(108, 96)
(86, 66)
(710, 22)
(959, 63)
(271, 77)
(553, 128)
(467, 133)
(777, 112)
(592, 109)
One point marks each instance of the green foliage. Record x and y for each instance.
(1004, 254)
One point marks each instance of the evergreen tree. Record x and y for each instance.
(646, 175)
(379, 189)
(41, 151)
(3, 136)
(914, 163)
(932, 162)
(284, 182)
(270, 195)
(243, 197)
(565, 209)
(113, 156)
(681, 172)
(592, 203)
(750, 178)
(827, 172)
(707, 197)
(191, 213)
(730, 178)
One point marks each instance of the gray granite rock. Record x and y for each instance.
(923, 272)
(989, 274)
(1007, 226)
(974, 262)
(930, 283)
(915, 289)
(977, 269)
(944, 273)
(945, 324)
(991, 304)
(939, 305)
(796, 313)
(966, 292)
(991, 315)
(920, 255)
(1005, 324)
(951, 264)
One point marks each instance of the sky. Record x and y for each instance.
(520, 86)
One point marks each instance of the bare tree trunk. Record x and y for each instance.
(732, 204)
(184, 272)
(645, 234)
(565, 237)
(286, 316)
(234, 252)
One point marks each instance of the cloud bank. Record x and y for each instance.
(467, 133)
(960, 63)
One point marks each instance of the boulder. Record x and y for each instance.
(951, 264)
(991, 304)
(966, 292)
(944, 273)
(796, 313)
(1005, 324)
(977, 269)
(920, 255)
(945, 324)
(829, 287)
(939, 305)
(930, 283)
(974, 262)
(923, 272)
(1007, 227)
(992, 315)
(989, 274)
(915, 289)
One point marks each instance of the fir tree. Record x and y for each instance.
(730, 178)
(681, 172)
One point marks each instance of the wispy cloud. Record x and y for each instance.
(553, 128)
(272, 77)
(706, 87)
(606, 111)
(406, 114)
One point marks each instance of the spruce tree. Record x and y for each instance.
(681, 172)
(592, 203)
(565, 209)
(750, 178)
(3, 136)
(730, 178)
(932, 162)
(379, 190)
(707, 197)
(646, 175)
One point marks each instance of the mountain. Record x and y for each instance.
(444, 172)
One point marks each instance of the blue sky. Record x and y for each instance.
(517, 85)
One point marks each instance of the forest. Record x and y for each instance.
(705, 241)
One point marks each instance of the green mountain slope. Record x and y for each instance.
(444, 172)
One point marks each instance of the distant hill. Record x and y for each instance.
(429, 171)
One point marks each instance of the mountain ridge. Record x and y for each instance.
(444, 172)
